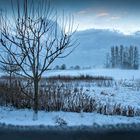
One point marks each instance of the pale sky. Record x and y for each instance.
(121, 15)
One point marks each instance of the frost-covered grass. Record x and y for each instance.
(24, 117)
(121, 97)
(113, 101)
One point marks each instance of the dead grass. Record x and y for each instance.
(61, 94)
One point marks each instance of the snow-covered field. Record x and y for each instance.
(24, 117)
(124, 93)
(115, 73)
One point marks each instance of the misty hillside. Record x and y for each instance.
(95, 43)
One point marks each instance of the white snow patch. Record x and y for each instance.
(24, 117)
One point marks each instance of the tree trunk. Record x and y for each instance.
(10, 80)
(35, 115)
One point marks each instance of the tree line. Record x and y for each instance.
(123, 57)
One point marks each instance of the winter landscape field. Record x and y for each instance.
(69, 69)
(96, 96)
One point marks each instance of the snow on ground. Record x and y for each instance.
(116, 96)
(115, 73)
(126, 92)
(24, 117)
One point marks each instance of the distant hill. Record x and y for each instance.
(95, 43)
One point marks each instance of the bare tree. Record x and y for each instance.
(34, 40)
(10, 68)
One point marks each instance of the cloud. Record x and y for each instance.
(115, 17)
(85, 11)
(82, 12)
(94, 12)
(102, 14)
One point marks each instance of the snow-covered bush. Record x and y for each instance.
(59, 121)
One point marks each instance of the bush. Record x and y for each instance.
(54, 96)
(58, 95)
(59, 121)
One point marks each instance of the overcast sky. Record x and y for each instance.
(122, 15)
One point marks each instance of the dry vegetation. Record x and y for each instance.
(53, 96)
(61, 93)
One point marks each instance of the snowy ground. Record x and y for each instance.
(119, 96)
(24, 117)
(125, 91)
(115, 73)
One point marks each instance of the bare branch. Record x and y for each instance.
(36, 38)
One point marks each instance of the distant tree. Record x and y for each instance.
(126, 62)
(71, 67)
(121, 55)
(77, 67)
(107, 64)
(63, 67)
(131, 57)
(113, 57)
(117, 57)
(57, 67)
(136, 58)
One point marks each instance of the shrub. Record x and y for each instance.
(59, 121)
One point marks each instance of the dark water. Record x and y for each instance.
(68, 135)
